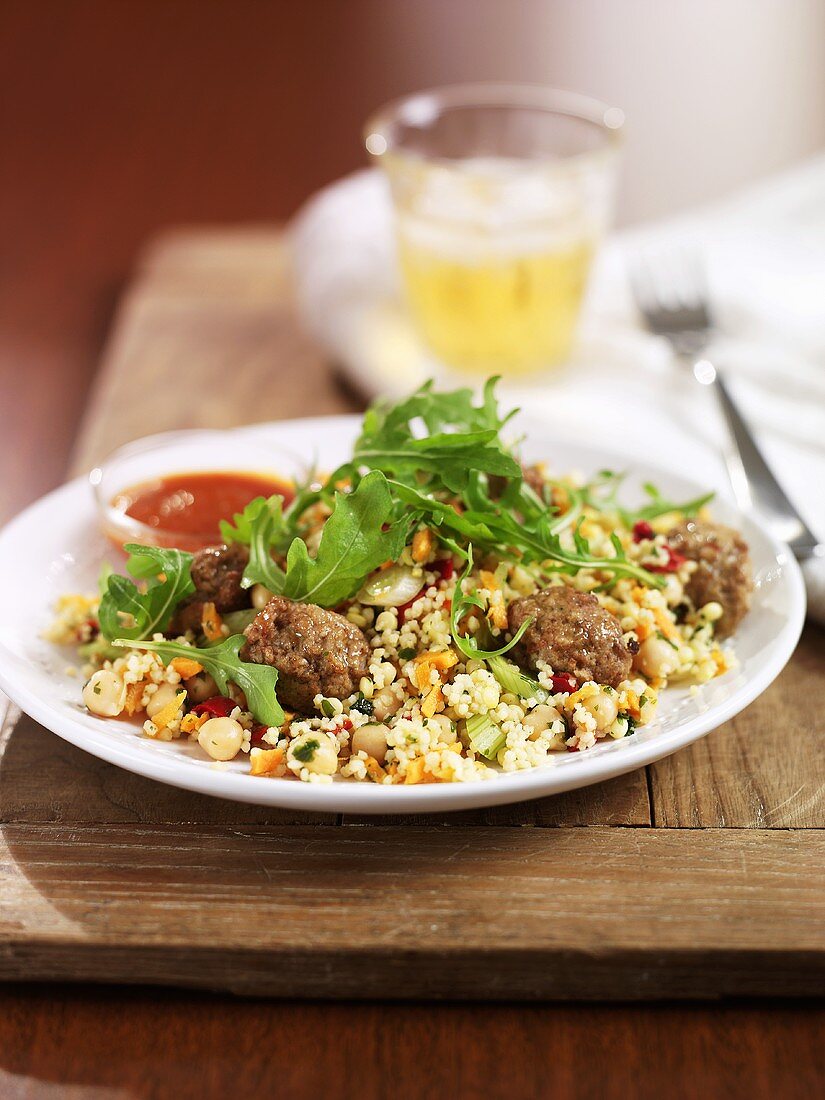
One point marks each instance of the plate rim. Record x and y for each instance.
(360, 798)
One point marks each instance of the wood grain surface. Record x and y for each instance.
(418, 911)
(154, 1044)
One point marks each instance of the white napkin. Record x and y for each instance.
(765, 257)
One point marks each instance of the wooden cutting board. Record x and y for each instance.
(699, 876)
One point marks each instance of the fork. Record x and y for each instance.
(672, 297)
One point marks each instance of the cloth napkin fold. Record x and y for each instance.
(765, 256)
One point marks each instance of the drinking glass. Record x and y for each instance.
(501, 194)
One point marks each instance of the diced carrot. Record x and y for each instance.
(374, 769)
(169, 713)
(191, 723)
(422, 544)
(134, 693)
(267, 762)
(211, 623)
(665, 625)
(186, 667)
(488, 580)
(432, 702)
(497, 611)
(415, 771)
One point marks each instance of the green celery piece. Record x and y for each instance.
(485, 736)
(512, 679)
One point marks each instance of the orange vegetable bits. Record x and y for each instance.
(211, 623)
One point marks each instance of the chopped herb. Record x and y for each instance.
(363, 706)
(406, 654)
(327, 708)
(305, 752)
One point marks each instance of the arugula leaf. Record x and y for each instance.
(660, 506)
(461, 437)
(166, 572)
(602, 493)
(224, 664)
(263, 523)
(463, 604)
(353, 543)
(243, 521)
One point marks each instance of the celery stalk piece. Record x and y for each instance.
(512, 679)
(485, 736)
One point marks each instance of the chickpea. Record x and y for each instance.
(165, 694)
(105, 693)
(384, 703)
(604, 709)
(540, 719)
(444, 726)
(371, 739)
(201, 687)
(656, 658)
(260, 596)
(221, 738)
(316, 751)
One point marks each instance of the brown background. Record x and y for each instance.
(118, 119)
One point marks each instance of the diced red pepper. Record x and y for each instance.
(564, 682)
(642, 530)
(256, 737)
(346, 724)
(445, 568)
(219, 706)
(674, 560)
(403, 608)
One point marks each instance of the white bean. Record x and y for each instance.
(371, 739)
(541, 718)
(201, 687)
(604, 709)
(105, 693)
(315, 751)
(442, 724)
(260, 596)
(221, 738)
(656, 657)
(165, 694)
(384, 703)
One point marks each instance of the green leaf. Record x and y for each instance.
(353, 543)
(463, 604)
(265, 524)
(128, 612)
(223, 663)
(460, 437)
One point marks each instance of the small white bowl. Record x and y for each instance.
(153, 457)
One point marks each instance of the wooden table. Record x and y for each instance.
(93, 173)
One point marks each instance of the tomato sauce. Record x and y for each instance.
(185, 510)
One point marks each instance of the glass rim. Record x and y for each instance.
(425, 106)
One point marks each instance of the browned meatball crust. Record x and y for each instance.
(314, 650)
(723, 573)
(216, 573)
(573, 633)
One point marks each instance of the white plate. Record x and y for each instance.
(55, 547)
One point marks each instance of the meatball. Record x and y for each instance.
(723, 573)
(314, 650)
(573, 633)
(216, 573)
